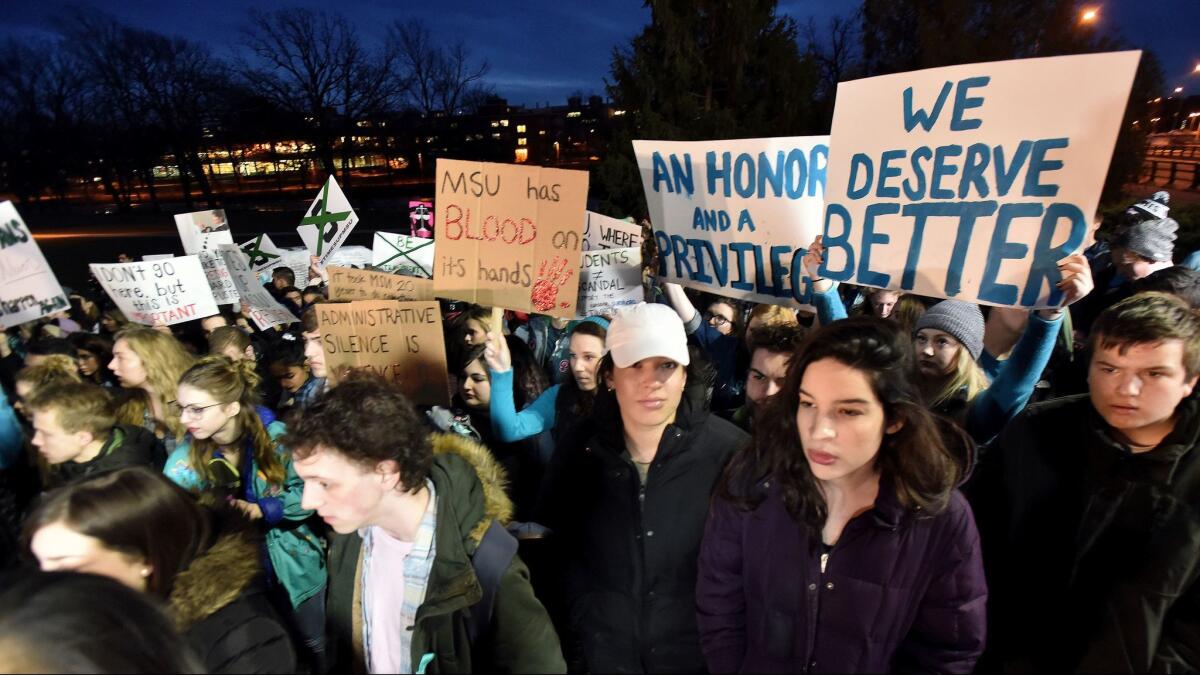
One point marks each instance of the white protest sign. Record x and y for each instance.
(402, 254)
(601, 232)
(201, 232)
(735, 217)
(263, 252)
(328, 222)
(265, 310)
(358, 257)
(157, 256)
(610, 279)
(28, 288)
(972, 181)
(169, 291)
(297, 261)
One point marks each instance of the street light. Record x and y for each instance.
(1090, 15)
(1178, 89)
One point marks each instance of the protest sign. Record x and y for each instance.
(28, 288)
(201, 232)
(402, 254)
(150, 257)
(735, 217)
(601, 232)
(610, 279)
(509, 236)
(420, 219)
(328, 222)
(351, 284)
(352, 256)
(168, 291)
(265, 310)
(402, 341)
(297, 260)
(263, 252)
(972, 181)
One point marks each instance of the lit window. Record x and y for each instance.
(541, 132)
(520, 128)
(520, 141)
(495, 123)
(574, 113)
(618, 113)
(496, 136)
(503, 123)
(522, 155)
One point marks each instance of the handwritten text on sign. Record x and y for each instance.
(601, 232)
(402, 254)
(610, 279)
(972, 181)
(734, 217)
(346, 283)
(28, 288)
(265, 310)
(168, 291)
(401, 341)
(509, 236)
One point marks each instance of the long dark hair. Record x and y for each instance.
(916, 459)
(135, 511)
(572, 401)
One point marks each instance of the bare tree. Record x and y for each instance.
(314, 65)
(435, 78)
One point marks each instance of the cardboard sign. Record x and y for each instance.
(420, 219)
(402, 254)
(28, 288)
(346, 283)
(328, 222)
(609, 280)
(509, 236)
(972, 181)
(602, 232)
(263, 252)
(402, 341)
(169, 291)
(735, 217)
(265, 310)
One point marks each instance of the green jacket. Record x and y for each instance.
(470, 494)
(297, 554)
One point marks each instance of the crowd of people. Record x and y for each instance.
(693, 484)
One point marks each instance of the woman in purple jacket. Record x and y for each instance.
(837, 541)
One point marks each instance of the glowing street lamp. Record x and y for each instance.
(1089, 15)
(1178, 89)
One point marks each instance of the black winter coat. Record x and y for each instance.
(126, 446)
(631, 554)
(1092, 552)
(220, 605)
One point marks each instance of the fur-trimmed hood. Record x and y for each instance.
(480, 501)
(219, 575)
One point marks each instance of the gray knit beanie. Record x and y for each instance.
(1151, 239)
(961, 319)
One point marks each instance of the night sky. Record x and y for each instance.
(541, 51)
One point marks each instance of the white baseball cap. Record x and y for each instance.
(646, 330)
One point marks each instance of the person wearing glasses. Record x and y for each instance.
(231, 451)
(716, 330)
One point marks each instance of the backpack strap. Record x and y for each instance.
(492, 557)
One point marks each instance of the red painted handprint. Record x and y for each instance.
(552, 275)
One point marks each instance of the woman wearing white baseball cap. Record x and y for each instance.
(628, 496)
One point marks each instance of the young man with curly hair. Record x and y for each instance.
(422, 576)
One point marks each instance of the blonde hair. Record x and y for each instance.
(773, 315)
(78, 406)
(53, 369)
(164, 359)
(228, 381)
(967, 375)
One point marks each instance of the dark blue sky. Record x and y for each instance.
(543, 50)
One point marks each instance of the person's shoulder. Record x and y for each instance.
(720, 430)
(1056, 411)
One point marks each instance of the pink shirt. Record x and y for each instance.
(385, 587)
